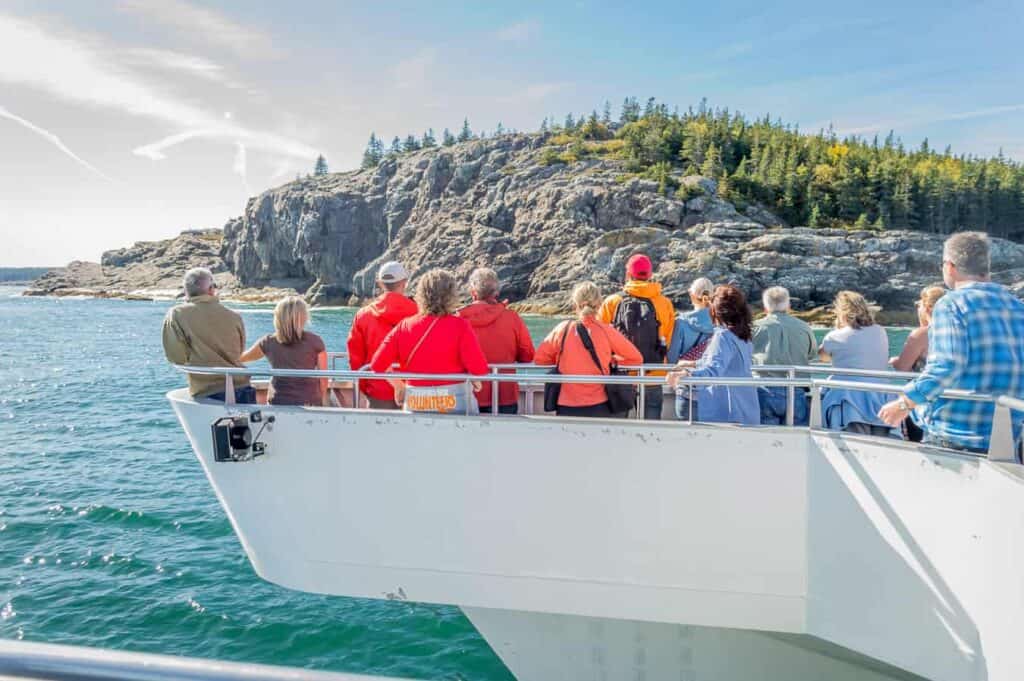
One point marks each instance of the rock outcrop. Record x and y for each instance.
(149, 270)
(546, 227)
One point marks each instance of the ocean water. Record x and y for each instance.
(110, 535)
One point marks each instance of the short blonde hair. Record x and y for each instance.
(586, 298)
(930, 295)
(436, 293)
(290, 318)
(851, 309)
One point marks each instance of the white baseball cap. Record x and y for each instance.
(392, 272)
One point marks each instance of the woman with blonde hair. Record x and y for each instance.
(292, 347)
(915, 348)
(693, 330)
(566, 348)
(857, 342)
(433, 341)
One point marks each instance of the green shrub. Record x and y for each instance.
(689, 191)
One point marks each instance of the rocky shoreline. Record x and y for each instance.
(543, 226)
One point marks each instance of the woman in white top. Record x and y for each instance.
(856, 343)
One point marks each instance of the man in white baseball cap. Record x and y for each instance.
(373, 322)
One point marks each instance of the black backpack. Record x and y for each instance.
(637, 319)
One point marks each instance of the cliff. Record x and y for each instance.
(545, 226)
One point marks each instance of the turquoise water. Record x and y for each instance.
(110, 535)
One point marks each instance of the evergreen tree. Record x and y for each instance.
(650, 108)
(815, 219)
(396, 146)
(570, 123)
(544, 126)
(374, 152)
(411, 143)
(712, 166)
(321, 166)
(606, 115)
(630, 111)
(500, 130)
(447, 138)
(428, 139)
(466, 133)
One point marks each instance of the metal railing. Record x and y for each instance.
(1003, 446)
(49, 662)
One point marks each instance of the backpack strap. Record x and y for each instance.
(588, 343)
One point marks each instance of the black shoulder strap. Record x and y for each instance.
(588, 343)
(561, 347)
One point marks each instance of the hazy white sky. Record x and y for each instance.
(126, 120)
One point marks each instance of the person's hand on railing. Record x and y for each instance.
(672, 378)
(893, 413)
(477, 386)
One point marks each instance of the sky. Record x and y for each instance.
(131, 120)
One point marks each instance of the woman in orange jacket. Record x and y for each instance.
(564, 348)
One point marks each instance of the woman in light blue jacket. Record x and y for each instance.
(693, 330)
(728, 355)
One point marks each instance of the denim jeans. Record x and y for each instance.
(773, 406)
(244, 395)
(683, 405)
(653, 398)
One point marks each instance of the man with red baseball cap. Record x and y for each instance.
(645, 317)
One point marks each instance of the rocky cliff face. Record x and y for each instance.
(546, 227)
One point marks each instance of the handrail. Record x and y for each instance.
(45, 661)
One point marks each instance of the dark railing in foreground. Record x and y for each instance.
(42, 661)
(1003, 446)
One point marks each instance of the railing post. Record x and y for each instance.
(791, 399)
(1001, 445)
(229, 390)
(494, 394)
(642, 398)
(815, 418)
(355, 393)
(469, 394)
(689, 403)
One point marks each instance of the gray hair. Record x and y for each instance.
(969, 251)
(775, 299)
(197, 281)
(483, 281)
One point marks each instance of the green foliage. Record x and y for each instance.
(662, 174)
(321, 166)
(689, 191)
(466, 133)
(593, 129)
(429, 141)
(821, 180)
(371, 157)
(447, 138)
(550, 157)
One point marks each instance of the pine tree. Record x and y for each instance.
(630, 111)
(321, 166)
(712, 166)
(447, 138)
(429, 140)
(373, 153)
(466, 133)
(570, 123)
(606, 115)
(396, 146)
(862, 221)
(500, 130)
(544, 126)
(815, 219)
(650, 107)
(411, 143)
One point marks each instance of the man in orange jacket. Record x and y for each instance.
(646, 318)
(372, 323)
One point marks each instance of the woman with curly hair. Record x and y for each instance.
(434, 341)
(728, 355)
(855, 343)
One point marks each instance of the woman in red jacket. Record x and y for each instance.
(503, 337)
(434, 341)
(563, 348)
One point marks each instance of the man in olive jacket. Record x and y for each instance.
(202, 332)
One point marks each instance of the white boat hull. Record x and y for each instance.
(603, 549)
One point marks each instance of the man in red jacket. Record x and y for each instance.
(502, 335)
(372, 323)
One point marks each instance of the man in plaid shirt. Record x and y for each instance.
(975, 342)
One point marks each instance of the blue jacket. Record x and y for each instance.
(690, 327)
(726, 356)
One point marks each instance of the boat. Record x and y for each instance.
(633, 549)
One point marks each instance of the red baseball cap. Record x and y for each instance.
(639, 267)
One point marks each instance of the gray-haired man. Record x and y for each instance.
(782, 339)
(202, 332)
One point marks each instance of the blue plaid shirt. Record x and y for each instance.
(975, 342)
